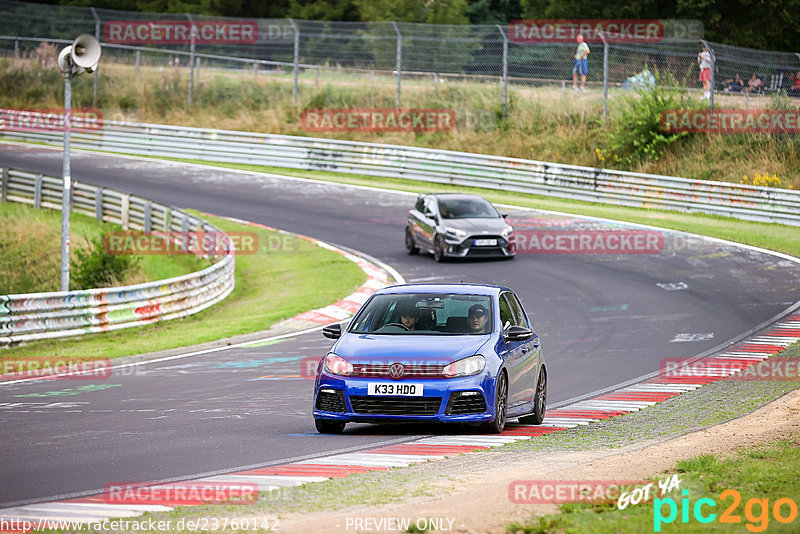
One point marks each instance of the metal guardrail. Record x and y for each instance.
(649, 191)
(34, 316)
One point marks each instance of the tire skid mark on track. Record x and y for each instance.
(738, 358)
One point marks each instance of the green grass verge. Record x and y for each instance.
(271, 285)
(30, 248)
(759, 477)
(772, 236)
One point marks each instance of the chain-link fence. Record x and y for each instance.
(393, 64)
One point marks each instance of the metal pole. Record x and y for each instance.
(605, 77)
(67, 187)
(712, 81)
(296, 56)
(191, 60)
(399, 63)
(138, 59)
(505, 69)
(16, 48)
(96, 36)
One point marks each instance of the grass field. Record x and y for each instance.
(271, 285)
(542, 122)
(30, 250)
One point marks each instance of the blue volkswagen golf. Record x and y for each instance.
(451, 353)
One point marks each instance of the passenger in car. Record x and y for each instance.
(477, 318)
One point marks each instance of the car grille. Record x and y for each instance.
(330, 402)
(461, 404)
(409, 371)
(395, 405)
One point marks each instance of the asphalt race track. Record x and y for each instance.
(603, 318)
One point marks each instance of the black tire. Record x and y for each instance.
(438, 249)
(500, 403)
(411, 247)
(539, 401)
(328, 426)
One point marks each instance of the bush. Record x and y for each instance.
(95, 267)
(637, 134)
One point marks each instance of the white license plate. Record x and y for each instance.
(485, 242)
(399, 388)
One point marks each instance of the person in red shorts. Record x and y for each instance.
(704, 60)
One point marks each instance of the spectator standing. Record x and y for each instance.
(581, 65)
(795, 90)
(704, 60)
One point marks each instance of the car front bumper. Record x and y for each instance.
(457, 400)
(462, 248)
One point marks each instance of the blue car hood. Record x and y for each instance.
(408, 348)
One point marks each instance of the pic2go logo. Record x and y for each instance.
(757, 521)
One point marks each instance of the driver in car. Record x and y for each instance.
(477, 319)
(409, 316)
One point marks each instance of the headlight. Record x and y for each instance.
(455, 232)
(507, 231)
(336, 365)
(465, 367)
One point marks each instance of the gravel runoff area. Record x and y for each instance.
(472, 489)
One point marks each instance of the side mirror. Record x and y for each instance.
(518, 333)
(332, 331)
(504, 215)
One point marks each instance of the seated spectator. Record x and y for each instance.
(754, 84)
(735, 84)
(795, 90)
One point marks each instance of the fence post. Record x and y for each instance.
(138, 59)
(505, 69)
(191, 59)
(296, 56)
(255, 72)
(399, 62)
(713, 73)
(316, 79)
(605, 76)
(4, 186)
(96, 36)
(16, 48)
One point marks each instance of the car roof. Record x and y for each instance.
(462, 289)
(455, 196)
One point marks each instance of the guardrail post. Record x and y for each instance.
(98, 204)
(296, 57)
(191, 59)
(4, 186)
(138, 59)
(505, 69)
(185, 233)
(168, 219)
(399, 62)
(124, 210)
(37, 192)
(96, 36)
(148, 216)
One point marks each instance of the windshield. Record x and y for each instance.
(476, 208)
(425, 314)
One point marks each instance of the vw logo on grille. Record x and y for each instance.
(396, 370)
